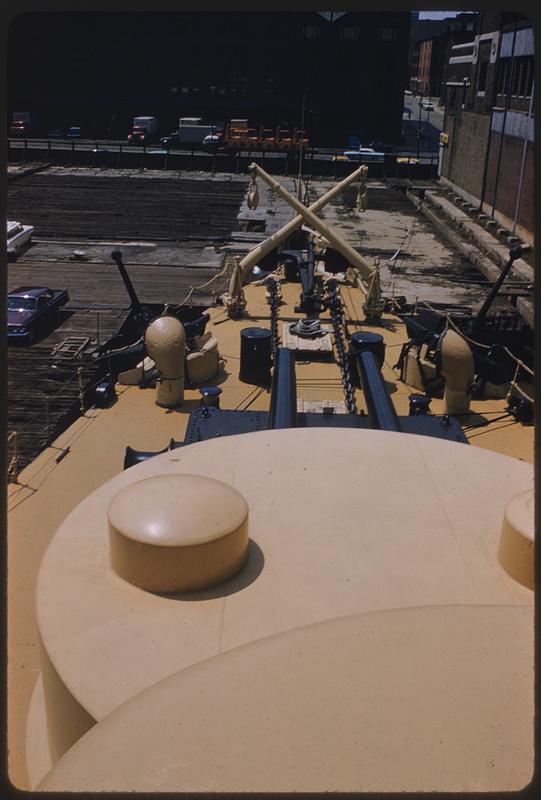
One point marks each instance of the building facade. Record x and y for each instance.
(430, 50)
(488, 131)
(430, 66)
(100, 69)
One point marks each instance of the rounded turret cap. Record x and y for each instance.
(175, 533)
(516, 549)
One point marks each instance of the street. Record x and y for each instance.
(429, 123)
(415, 120)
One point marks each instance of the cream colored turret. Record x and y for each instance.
(165, 342)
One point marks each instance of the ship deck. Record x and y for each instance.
(49, 489)
(90, 452)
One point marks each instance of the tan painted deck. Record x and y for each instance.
(48, 491)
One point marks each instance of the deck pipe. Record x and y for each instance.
(257, 253)
(381, 411)
(116, 255)
(283, 403)
(479, 320)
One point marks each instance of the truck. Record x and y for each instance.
(191, 132)
(23, 123)
(239, 136)
(144, 130)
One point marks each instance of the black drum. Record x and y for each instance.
(255, 356)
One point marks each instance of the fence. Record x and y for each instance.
(54, 413)
(116, 155)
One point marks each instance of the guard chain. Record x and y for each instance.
(273, 299)
(334, 304)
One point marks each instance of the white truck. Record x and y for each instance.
(144, 130)
(191, 133)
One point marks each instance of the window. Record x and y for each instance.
(503, 76)
(349, 33)
(515, 78)
(524, 79)
(529, 80)
(310, 32)
(482, 78)
(387, 34)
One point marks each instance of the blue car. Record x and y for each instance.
(31, 307)
(364, 154)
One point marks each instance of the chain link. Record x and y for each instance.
(336, 308)
(273, 299)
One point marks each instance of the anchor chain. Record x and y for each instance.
(334, 304)
(273, 299)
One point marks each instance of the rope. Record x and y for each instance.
(204, 285)
(513, 385)
(403, 246)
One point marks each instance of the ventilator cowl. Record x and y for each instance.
(458, 370)
(165, 342)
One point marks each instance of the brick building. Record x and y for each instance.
(429, 51)
(430, 66)
(99, 69)
(488, 129)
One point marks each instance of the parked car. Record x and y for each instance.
(427, 105)
(29, 308)
(171, 140)
(213, 142)
(364, 154)
(74, 132)
(17, 236)
(55, 133)
(382, 147)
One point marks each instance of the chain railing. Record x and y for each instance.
(46, 422)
